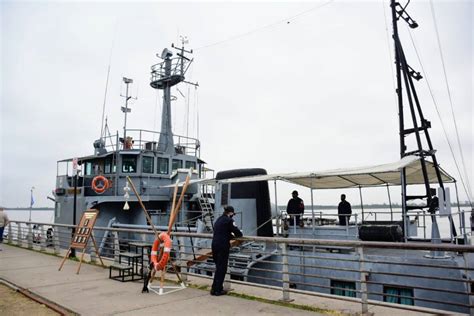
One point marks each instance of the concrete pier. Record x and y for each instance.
(92, 293)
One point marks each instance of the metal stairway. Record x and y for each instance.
(207, 213)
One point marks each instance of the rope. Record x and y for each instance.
(287, 20)
(389, 52)
(451, 101)
(439, 114)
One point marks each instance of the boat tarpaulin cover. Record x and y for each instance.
(356, 177)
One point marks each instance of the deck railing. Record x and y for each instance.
(364, 272)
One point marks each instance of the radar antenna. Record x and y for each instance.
(164, 75)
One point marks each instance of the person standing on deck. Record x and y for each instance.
(3, 223)
(344, 211)
(224, 230)
(295, 208)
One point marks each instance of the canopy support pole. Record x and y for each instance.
(361, 204)
(276, 207)
(312, 210)
(390, 203)
(404, 204)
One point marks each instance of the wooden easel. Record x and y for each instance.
(82, 235)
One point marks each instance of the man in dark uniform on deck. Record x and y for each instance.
(295, 208)
(224, 230)
(344, 211)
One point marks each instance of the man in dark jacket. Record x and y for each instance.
(344, 211)
(224, 230)
(295, 208)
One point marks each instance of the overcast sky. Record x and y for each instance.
(287, 86)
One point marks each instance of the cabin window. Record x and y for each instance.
(177, 164)
(147, 164)
(190, 164)
(129, 164)
(109, 166)
(163, 165)
(225, 194)
(398, 295)
(88, 170)
(343, 288)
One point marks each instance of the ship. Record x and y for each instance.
(435, 279)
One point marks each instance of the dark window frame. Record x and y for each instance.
(189, 164)
(346, 288)
(159, 165)
(176, 161)
(152, 159)
(126, 158)
(396, 297)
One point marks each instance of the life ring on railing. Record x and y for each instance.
(159, 263)
(100, 184)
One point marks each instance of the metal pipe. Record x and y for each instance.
(312, 211)
(285, 277)
(361, 206)
(390, 203)
(304, 241)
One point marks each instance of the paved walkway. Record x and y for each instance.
(93, 293)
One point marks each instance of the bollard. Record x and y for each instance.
(363, 280)
(285, 277)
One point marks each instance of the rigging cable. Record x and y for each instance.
(107, 82)
(195, 112)
(287, 20)
(450, 99)
(439, 114)
(390, 53)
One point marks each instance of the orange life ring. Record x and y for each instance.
(100, 184)
(159, 263)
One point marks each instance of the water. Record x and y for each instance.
(47, 216)
(37, 215)
(383, 214)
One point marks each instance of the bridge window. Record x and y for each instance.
(88, 169)
(177, 164)
(190, 164)
(398, 295)
(147, 164)
(129, 164)
(109, 166)
(343, 288)
(163, 165)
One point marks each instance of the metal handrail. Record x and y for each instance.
(294, 269)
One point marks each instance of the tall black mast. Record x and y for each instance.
(419, 123)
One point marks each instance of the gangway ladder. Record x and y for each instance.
(207, 213)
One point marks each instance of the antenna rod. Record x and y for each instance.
(125, 108)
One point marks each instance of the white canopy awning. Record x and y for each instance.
(356, 177)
